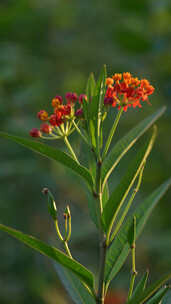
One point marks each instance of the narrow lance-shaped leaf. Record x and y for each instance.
(87, 104)
(141, 285)
(90, 89)
(99, 93)
(125, 143)
(140, 299)
(53, 154)
(57, 255)
(156, 299)
(120, 193)
(120, 247)
(78, 293)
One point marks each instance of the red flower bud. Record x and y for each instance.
(46, 128)
(35, 132)
(79, 113)
(81, 97)
(42, 115)
(56, 101)
(71, 97)
(55, 121)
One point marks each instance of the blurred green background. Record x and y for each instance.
(49, 47)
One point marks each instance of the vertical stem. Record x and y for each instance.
(112, 132)
(103, 247)
(134, 272)
(101, 286)
(70, 149)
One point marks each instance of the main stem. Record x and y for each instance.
(101, 286)
(103, 247)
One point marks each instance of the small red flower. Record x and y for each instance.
(56, 101)
(79, 113)
(62, 112)
(42, 115)
(109, 81)
(65, 110)
(82, 97)
(35, 132)
(71, 97)
(46, 128)
(55, 121)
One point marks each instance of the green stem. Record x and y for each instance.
(128, 206)
(70, 149)
(58, 231)
(52, 138)
(112, 132)
(66, 227)
(64, 241)
(67, 249)
(134, 272)
(103, 247)
(58, 131)
(69, 228)
(79, 132)
(101, 287)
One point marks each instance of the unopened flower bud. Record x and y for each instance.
(45, 191)
(67, 212)
(42, 115)
(82, 97)
(71, 97)
(46, 128)
(35, 132)
(79, 113)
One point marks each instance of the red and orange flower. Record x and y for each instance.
(62, 112)
(125, 91)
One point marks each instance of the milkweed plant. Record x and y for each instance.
(118, 230)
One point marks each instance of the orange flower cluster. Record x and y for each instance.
(125, 90)
(62, 112)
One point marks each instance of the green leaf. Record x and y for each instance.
(87, 105)
(158, 296)
(57, 255)
(90, 90)
(140, 299)
(98, 99)
(92, 208)
(77, 291)
(141, 285)
(125, 143)
(53, 154)
(105, 195)
(120, 247)
(92, 132)
(167, 298)
(121, 191)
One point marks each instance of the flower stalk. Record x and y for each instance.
(70, 149)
